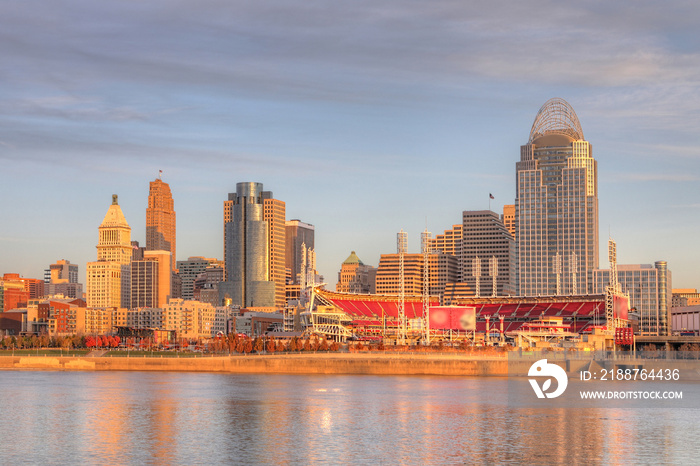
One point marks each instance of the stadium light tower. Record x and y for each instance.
(425, 247)
(476, 273)
(401, 247)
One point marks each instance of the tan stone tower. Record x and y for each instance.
(108, 279)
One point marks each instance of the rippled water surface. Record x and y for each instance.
(196, 418)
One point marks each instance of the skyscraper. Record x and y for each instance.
(255, 247)
(488, 254)
(298, 233)
(160, 219)
(556, 207)
(442, 269)
(108, 279)
(151, 280)
(274, 213)
(508, 218)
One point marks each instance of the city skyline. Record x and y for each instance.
(364, 122)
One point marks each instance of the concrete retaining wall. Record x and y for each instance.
(283, 364)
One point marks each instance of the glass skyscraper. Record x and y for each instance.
(556, 206)
(255, 247)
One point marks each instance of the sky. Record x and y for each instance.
(365, 117)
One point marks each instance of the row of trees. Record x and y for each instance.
(43, 341)
(235, 344)
(106, 341)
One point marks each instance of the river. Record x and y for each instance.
(197, 418)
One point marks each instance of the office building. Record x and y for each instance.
(556, 208)
(450, 242)
(508, 218)
(255, 248)
(189, 270)
(298, 234)
(160, 220)
(108, 279)
(442, 269)
(356, 277)
(683, 297)
(206, 285)
(274, 213)
(488, 252)
(649, 289)
(63, 279)
(33, 287)
(151, 280)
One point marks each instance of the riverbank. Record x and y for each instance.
(389, 363)
(319, 363)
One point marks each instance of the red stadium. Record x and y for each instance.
(343, 314)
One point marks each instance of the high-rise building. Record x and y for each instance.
(274, 213)
(356, 277)
(63, 279)
(137, 251)
(151, 280)
(255, 247)
(206, 285)
(508, 218)
(228, 217)
(442, 269)
(189, 270)
(298, 233)
(450, 242)
(144, 284)
(488, 252)
(649, 289)
(160, 219)
(556, 208)
(108, 279)
(63, 272)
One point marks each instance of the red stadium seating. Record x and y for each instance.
(372, 311)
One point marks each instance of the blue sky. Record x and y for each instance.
(365, 117)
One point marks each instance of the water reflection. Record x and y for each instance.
(190, 418)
